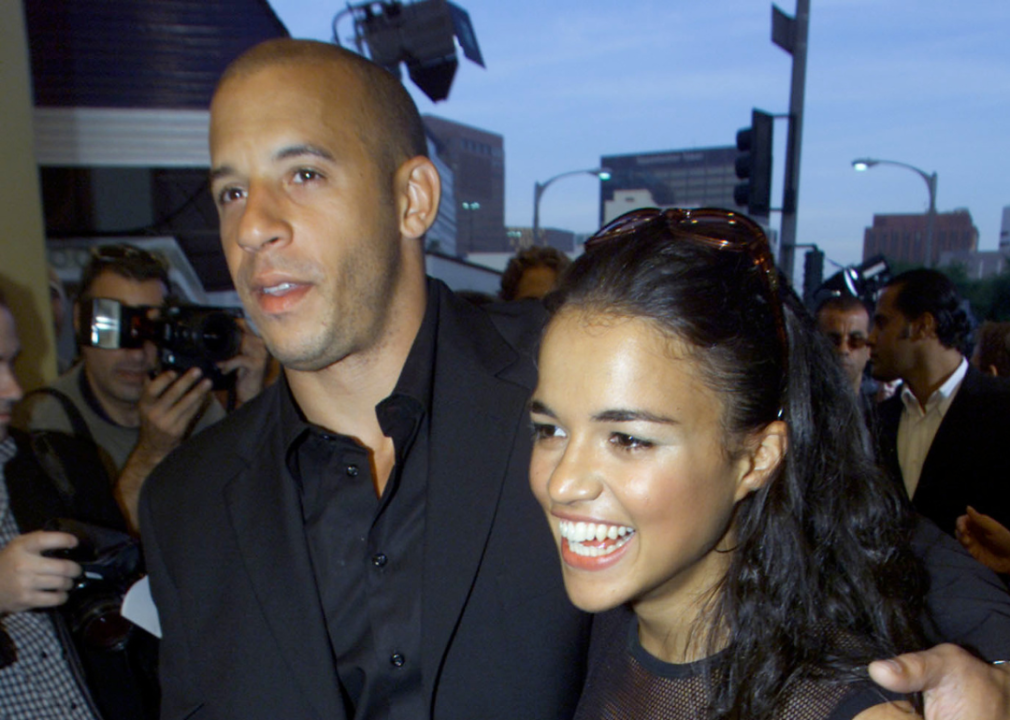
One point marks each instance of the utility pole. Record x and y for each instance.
(790, 34)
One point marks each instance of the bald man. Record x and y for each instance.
(359, 542)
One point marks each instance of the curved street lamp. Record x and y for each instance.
(471, 208)
(538, 192)
(863, 164)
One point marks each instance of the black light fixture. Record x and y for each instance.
(422, 35)
(861, 281)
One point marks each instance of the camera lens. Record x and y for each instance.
(100, 625)
(219, 336)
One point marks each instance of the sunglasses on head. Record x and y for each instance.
(713, 227)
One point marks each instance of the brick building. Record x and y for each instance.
(902, 238)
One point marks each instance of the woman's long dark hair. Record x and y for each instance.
(822, 579)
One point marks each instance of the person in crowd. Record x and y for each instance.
(110, 395)
(61, 312)
(992, 349)
(41, 673)
(944, 435)
(532, 272)
(360, 540)
(845, 321)
(700, 461)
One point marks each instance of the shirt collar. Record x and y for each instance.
(413, 388)
(941, 398)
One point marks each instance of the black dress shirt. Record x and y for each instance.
(367, 551)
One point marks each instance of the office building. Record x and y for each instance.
(697, 177)
(477, 160)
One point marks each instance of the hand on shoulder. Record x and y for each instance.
(955, 684)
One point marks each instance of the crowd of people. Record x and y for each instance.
(736, 525)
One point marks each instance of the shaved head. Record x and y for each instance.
(391, 125)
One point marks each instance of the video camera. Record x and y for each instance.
(111, 563)
(186, 336)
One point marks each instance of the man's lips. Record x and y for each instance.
(275, 297)
(135, 374)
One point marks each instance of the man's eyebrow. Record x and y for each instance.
(283, 154)
(633, 416)
(219, 172)
(307, 149)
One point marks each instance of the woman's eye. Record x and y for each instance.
(629, 442)
(546, 431)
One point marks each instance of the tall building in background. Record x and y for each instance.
(477, 160)
(696, 177)
(902, 238)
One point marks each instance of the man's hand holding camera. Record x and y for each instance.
(171, 404)
(168, 407)
(29, 579)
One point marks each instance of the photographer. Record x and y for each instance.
(110, 396)
(40, 675)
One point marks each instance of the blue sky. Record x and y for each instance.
(924, 82)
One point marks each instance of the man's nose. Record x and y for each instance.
(261, 224)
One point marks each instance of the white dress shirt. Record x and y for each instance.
(918, 426)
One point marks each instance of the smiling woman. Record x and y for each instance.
(700, 460)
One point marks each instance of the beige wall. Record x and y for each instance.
(22, 243)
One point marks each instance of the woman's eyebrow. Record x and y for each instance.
(633, 416)
(540, 409)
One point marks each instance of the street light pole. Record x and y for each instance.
(540, 187)
(471, 208)
(862, 164)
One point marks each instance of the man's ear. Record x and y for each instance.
(764, 452)
(924, 327)
(418, 191)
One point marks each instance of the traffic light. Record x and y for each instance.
(754, 165)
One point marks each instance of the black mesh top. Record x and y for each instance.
(627, 683)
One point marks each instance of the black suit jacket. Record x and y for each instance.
(244, 632)
(969, 460)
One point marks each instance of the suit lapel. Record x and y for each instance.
(265, 515)
(955, 422)
(476, 415)
(889, 416)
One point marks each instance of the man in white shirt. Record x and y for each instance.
(945, 433)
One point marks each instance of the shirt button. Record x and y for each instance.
(351, 470)
(379, 560)
(397, 659)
